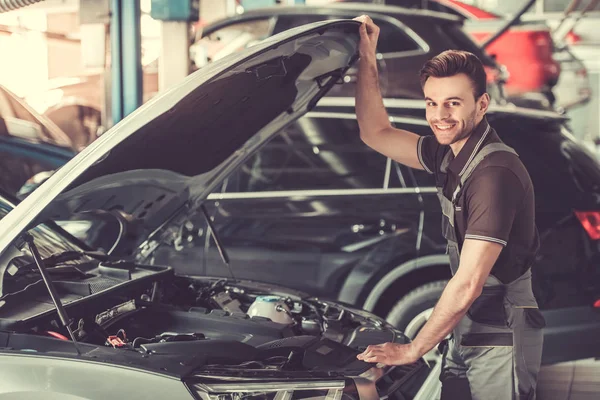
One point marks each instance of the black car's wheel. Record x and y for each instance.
(413, 310)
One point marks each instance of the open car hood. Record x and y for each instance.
(174, 150)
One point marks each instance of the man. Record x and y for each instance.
(488, 219)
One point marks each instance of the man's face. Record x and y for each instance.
(452, 110)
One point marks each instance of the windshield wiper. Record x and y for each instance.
(217, 240)
(72, 255)
(63, 257)
(62, 313)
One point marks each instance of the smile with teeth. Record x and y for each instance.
(444, 127)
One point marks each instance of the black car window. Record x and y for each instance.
(230, 39)
(18, 165)
(401, 176)
(312, 154)
(392, 38)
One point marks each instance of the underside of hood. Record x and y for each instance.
(175, 149)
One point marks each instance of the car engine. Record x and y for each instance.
(233, 324)
(216, 330)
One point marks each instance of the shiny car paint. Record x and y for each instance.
(34, 377)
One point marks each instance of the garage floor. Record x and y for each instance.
(577, 380)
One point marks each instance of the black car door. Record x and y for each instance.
(308, 207)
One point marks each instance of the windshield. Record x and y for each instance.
(47, 240)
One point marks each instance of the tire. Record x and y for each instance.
(414, 304)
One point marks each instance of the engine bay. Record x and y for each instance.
(197, 328)
(236, 327)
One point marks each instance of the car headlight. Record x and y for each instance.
(313, 390)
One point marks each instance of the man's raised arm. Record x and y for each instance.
(373, 120)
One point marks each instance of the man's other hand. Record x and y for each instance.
(390, 354)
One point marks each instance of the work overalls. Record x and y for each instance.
(497, 346)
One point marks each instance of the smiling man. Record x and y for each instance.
(488, 220)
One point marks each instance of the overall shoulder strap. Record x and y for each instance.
(484, 152)
(446, 161)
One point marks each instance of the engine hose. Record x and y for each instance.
(11, 5)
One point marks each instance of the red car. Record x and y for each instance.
(525, 49)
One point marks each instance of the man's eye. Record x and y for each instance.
(430, 104)
(454, 103)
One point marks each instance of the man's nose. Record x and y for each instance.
(442, 113)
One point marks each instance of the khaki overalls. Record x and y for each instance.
(497, 346)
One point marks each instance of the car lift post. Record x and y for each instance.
(126, 58)
(174, 58)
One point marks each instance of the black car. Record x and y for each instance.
(407, 39)
(319, 211)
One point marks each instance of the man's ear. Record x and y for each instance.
(483, 103)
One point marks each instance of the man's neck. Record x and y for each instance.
(457, 146)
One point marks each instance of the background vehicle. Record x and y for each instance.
(29, 143)
(317, 210)
(407, 39)
(406, 42)
(526, 49)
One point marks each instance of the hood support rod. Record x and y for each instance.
(215, 236)
(62, 313)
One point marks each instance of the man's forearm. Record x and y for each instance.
(452, 306)
(370, 111)
(476, 262)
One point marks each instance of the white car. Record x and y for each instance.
(77, 323)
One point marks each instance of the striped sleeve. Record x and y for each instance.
(427, 147)
(486, 238)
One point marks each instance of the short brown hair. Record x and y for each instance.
(454, 62)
